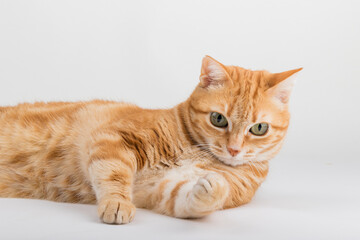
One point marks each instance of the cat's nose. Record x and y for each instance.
(233, 150)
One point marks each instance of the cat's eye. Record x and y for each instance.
(218, 120)
(259, 129)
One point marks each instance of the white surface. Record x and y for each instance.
(149, 53)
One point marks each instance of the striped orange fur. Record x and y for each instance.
(173, 161)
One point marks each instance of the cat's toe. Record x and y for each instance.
(203, 186)
(116, 211)
(211, 189)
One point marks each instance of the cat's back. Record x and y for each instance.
(30, 120)
(31, 112)
(48, 109)
(44, 113)
(33, 127)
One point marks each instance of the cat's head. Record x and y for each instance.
(240, 115)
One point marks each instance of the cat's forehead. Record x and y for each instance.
(241, 108)
(245, 94)
(243, 79)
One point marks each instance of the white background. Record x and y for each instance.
(149, 53)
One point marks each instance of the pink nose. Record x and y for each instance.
(233, 152)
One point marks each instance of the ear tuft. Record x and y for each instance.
(281, 84)
(213, 73)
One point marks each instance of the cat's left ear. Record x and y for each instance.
(281, 84)
(213, 73)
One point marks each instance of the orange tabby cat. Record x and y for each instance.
(208, 153)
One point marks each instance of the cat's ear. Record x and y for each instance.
(281, 84)
(213, 73)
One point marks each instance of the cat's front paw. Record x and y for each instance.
(209, 193)
(116, 211)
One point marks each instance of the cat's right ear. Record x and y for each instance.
(213, 73)
(281, 84)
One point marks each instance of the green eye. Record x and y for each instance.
(259, 129)
(218, 120)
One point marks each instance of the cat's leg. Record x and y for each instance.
(111, 171)
(192, 198)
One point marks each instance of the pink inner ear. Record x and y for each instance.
(205, 81)
(283, 96)
(213, 73)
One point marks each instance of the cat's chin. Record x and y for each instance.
(232, 162)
